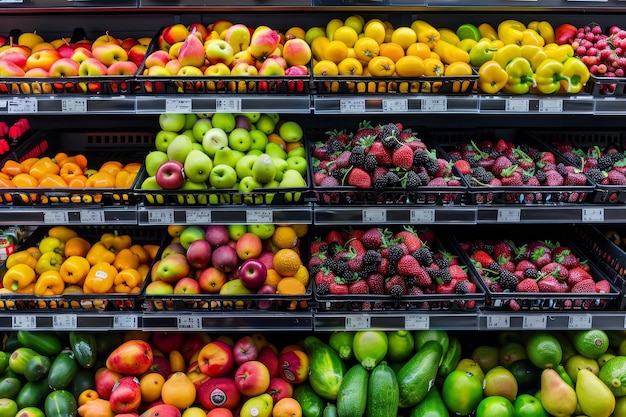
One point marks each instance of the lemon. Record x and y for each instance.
(468, 31)
(544, 350)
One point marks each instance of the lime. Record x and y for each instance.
(590, 343)
(527, 375)
(544, 350)
(526, 405)
(468, 31)
(495, 406)
(462, 392)
(613, 374)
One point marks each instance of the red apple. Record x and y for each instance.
(268, 355)
(187, 285)
(244, 350)
(199, 254)
(125, 395)
(161, 365)
(279, 388)
(165, 342)
(217, 235)
(211, 280)
(267, 258)
(161, 410)
(224, 258)
(252, 273)
(248, 246)
(174, 247)
(170, 175)
(252, 378)
(193, 343)
(219, 392)
(105, 379)
(293, 366)
(132, 357)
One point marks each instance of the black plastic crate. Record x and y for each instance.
(106, 85)
(605, 86)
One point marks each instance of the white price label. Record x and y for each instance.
(593, 214)
(516, 105)
(178, 105)
(64, 321)
(123, 321)
(74, 105)
(422, 215)
(22, 105)
(55, 217)
(498, 322)
(11, 1)
(534, 322)
(228, 105)
(198, 216)
(358, 322)
(24, 322)
(550, 106)
(91, 216)
(580, 321)
(395, 105)
(161, 216)
(352, 105)
(509, 215)
(435, 104)
(416, 322)
(189, 322)
(259, 216)
(374, 215)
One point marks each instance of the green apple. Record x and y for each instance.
(292, 179)
(150, 183)
(225, 121)
(197, 146)
(275, 151)
(179, 148)
(281, 167)
(238, 155)
(290, 131)
(274, 116)
(235, 231)
(244, 166)
(189, 134)
(222, 176)
(254, 117)
(298, 151)
(249, 184)
(190, 120)
(239, 139)
(173, 122)
(214, 139)
(265, 124)
(154, 160)
(298, 163)
(256, 152)
(190, 197)
(200, 127)
(258, 140)
(198, 166)
(262, 230)
(163, 138)
(224, 156)
(190, 234)
(263, 169)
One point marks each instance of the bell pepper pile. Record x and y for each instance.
(64, 262)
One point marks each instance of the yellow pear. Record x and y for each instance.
(595, 398)
(178, 391)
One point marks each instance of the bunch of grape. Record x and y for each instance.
(604, 55)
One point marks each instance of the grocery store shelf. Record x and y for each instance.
(67, 105)
(577, 104)
(81, 215)
(395, 103)
(331, 215)
(418, 320)
(152, 216)
(50, 320)
(229, 321)
(210, 103)
(607, 320)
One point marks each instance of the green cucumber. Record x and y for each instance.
(44, 343)
(382, 392)
(311, 403)
(342, 343)
(60, 403)
(62, 370)
(326, 368)
(10, 387)
(37, 368)
(431, 406)
(84, 346)
(33, 394)
(451, 358)
(441, 336)
(352, 395)
(417, 376)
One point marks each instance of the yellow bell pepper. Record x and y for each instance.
(549, 76)
(49, 283)
(99, 253)
(29, 289)
(520, 76)
(77, 246)
(116, 241)
(98, 407)
(533, 53)
(62, 233)
(128, 281)
(505, 54)
(491, 77)
(48, 261)
(18, 277)
(21, 257)
(530, 37)
(100, 278)
(487, 31)
(141, 252)
(575, 75)
(74, 269)
(126, 259)
(449, 36)
(559, 52)
(51, 244)
(544, 29)
(450, 53)
(510, 32)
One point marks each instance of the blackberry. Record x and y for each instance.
(508, 280)
(616, 156)
(472, 163)
(525, 178)
(441, 262)
(396, 291)
(560, 168)
(315, 269)
(369, 268)
(495, 267)
(455, 157)
(410, 281)
(434, 273)
(495, 154)
(487, 247)
(605, 162)
(541, 176)
(339, 175)
(481, 174)
(595, 175)
(571, 159)
(341, 268)
(357, 156)
(412, 179)
(531, 273)
(391, 269)
(461, 287)
(334, 145)
(349, 277)
(390, 129)
(420, 157)
(329, 263)
(392, 179)
(423, 177)
(444, 275)
(535, 155)
(334, 248)
(370, 163)
(395, 253)
(432, 166)
(322, 289)
(371, 257)
(473, 248)
(423, 255)
(524, 147)
(381, 182)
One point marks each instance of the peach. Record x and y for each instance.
(157, 59)
(175, 33)
(248, 246)
(43, 58)
(297, 52)
(238, 36)
(216, 359)
(264, 41)
(133, 357)
(252, 378)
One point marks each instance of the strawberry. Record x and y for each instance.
(355, 262)
(373, 238)
(553, 178)
(319, 177)
(324, 276)
(463, 166)
(402, 157)
(422, 279)
(465, 287)
(411, 240)
(577, 275)
(334, 236)
(501, 145)
(393, 281)
(603, 286)
(575, 178)
(586, 285)
(356, 244)
(383, 266)
(376, 283)
(541, 256)
(457, 272)
(483, 258)
(524, 264)
(501, 163)
(358, 287)
(408, 266)
(616, 178)
(512, 180)
(355, 234)
(548, 157)
(342, 160)
(566, 258)
(447, 288)
(359, 178)
(382, 154)
(556, 270)
(551, 284)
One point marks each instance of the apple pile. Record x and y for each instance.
(245, 152)
(223, 48)
(231, 260)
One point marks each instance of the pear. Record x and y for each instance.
(259, 406)
(179, 148)
(263, 169)
(594, 397)
(500, 381)
(224, 155)
(557, 397)
(191, 52)
(197, 166)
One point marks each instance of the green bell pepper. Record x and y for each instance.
(520, 76)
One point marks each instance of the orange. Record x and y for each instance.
(335, 51)
(284, 237)
(404, 36)
(433, 67)
(346, 34)
(290, 286)
(272, 278)
(301, 229)
(419, 49)
(456, 68)
(287, 407)
(350, 66)
(326, 68)
(410, 66)
(287, 262)
(391, 50)
(381, 66)
(366, 48)
(302, 275)
(151, 385)
(375, 29)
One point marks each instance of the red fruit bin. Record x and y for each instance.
(554, 263)
(330, 249)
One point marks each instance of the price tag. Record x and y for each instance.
(422, 215)
(64, 321)
(55, 217)
(509, 215)
(516, 105)
(22, 105)
(198, 216)
(374, 215)
(11, 1)
(534, 322)
(123, 321)
(395, 105)
(580, 321)
(498, 322)
(74, 105)
(91, 216)
(259, 216)
(189, 322)
(435, 104)
(416, 322)
(178, 105)
(550, 106)
(352, 105)
(593, 214)
(161, 216)
(358, 322)
(228, 105)
(24, 322)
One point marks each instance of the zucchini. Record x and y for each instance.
(37, 368)
(62, 370)
(326, 368)
(33, 394)
(60, 403)
(342, 343)
(84, 346)
(330, 410)
(417, 376)
(382, 392)
(431, 406)
(352, 395)
(44, 343)
(451, 357)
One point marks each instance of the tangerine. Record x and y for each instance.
(419, 49)
(290, 286)
(287, 262)
(381, 66)
(391, 50)
(335, 51)
(347, 35)
(404, 36)
(410, 66)
(284, 237)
